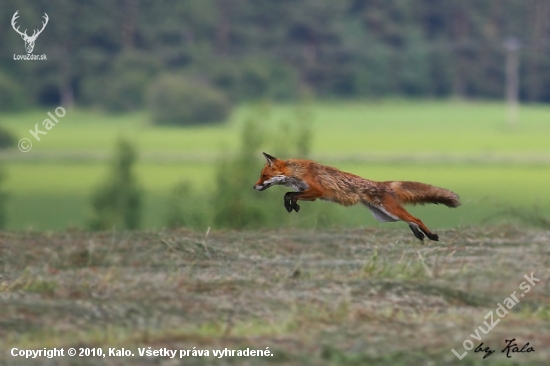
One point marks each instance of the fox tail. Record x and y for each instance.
(414, 193)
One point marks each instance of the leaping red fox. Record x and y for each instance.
(312, 181)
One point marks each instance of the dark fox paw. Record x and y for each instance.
(419, 235)
(292, 205)
(433, 237)
(288, 205)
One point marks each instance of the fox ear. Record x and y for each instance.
(270, 159)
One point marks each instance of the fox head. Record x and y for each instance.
(272, 173)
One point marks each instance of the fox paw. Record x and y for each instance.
(433, 237)
(292, 205)
(419, 235)
(288, 206)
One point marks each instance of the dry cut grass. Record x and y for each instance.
(338, 297)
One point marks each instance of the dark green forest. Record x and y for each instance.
(106, 54)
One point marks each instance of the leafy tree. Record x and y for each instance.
(117, 202)
(235, 204)
(266, 48)
(177, 100)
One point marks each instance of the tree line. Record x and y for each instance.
(106, 53)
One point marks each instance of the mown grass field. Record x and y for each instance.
(314, 297)
(466, 147)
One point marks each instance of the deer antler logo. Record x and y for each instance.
(29, 41)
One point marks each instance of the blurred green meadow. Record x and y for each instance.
(501, 172)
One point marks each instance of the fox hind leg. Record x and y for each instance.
(416, 231)
(431, 235)
(417, 226)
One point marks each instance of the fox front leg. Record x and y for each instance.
(291, 198)
(290, 202)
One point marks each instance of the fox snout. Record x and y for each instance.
(261, 187)
(264, 184)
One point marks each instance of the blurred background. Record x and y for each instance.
(170, 104)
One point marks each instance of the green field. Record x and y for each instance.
(329, 288)
(466, 147)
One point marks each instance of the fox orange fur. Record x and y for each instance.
(312, 181)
